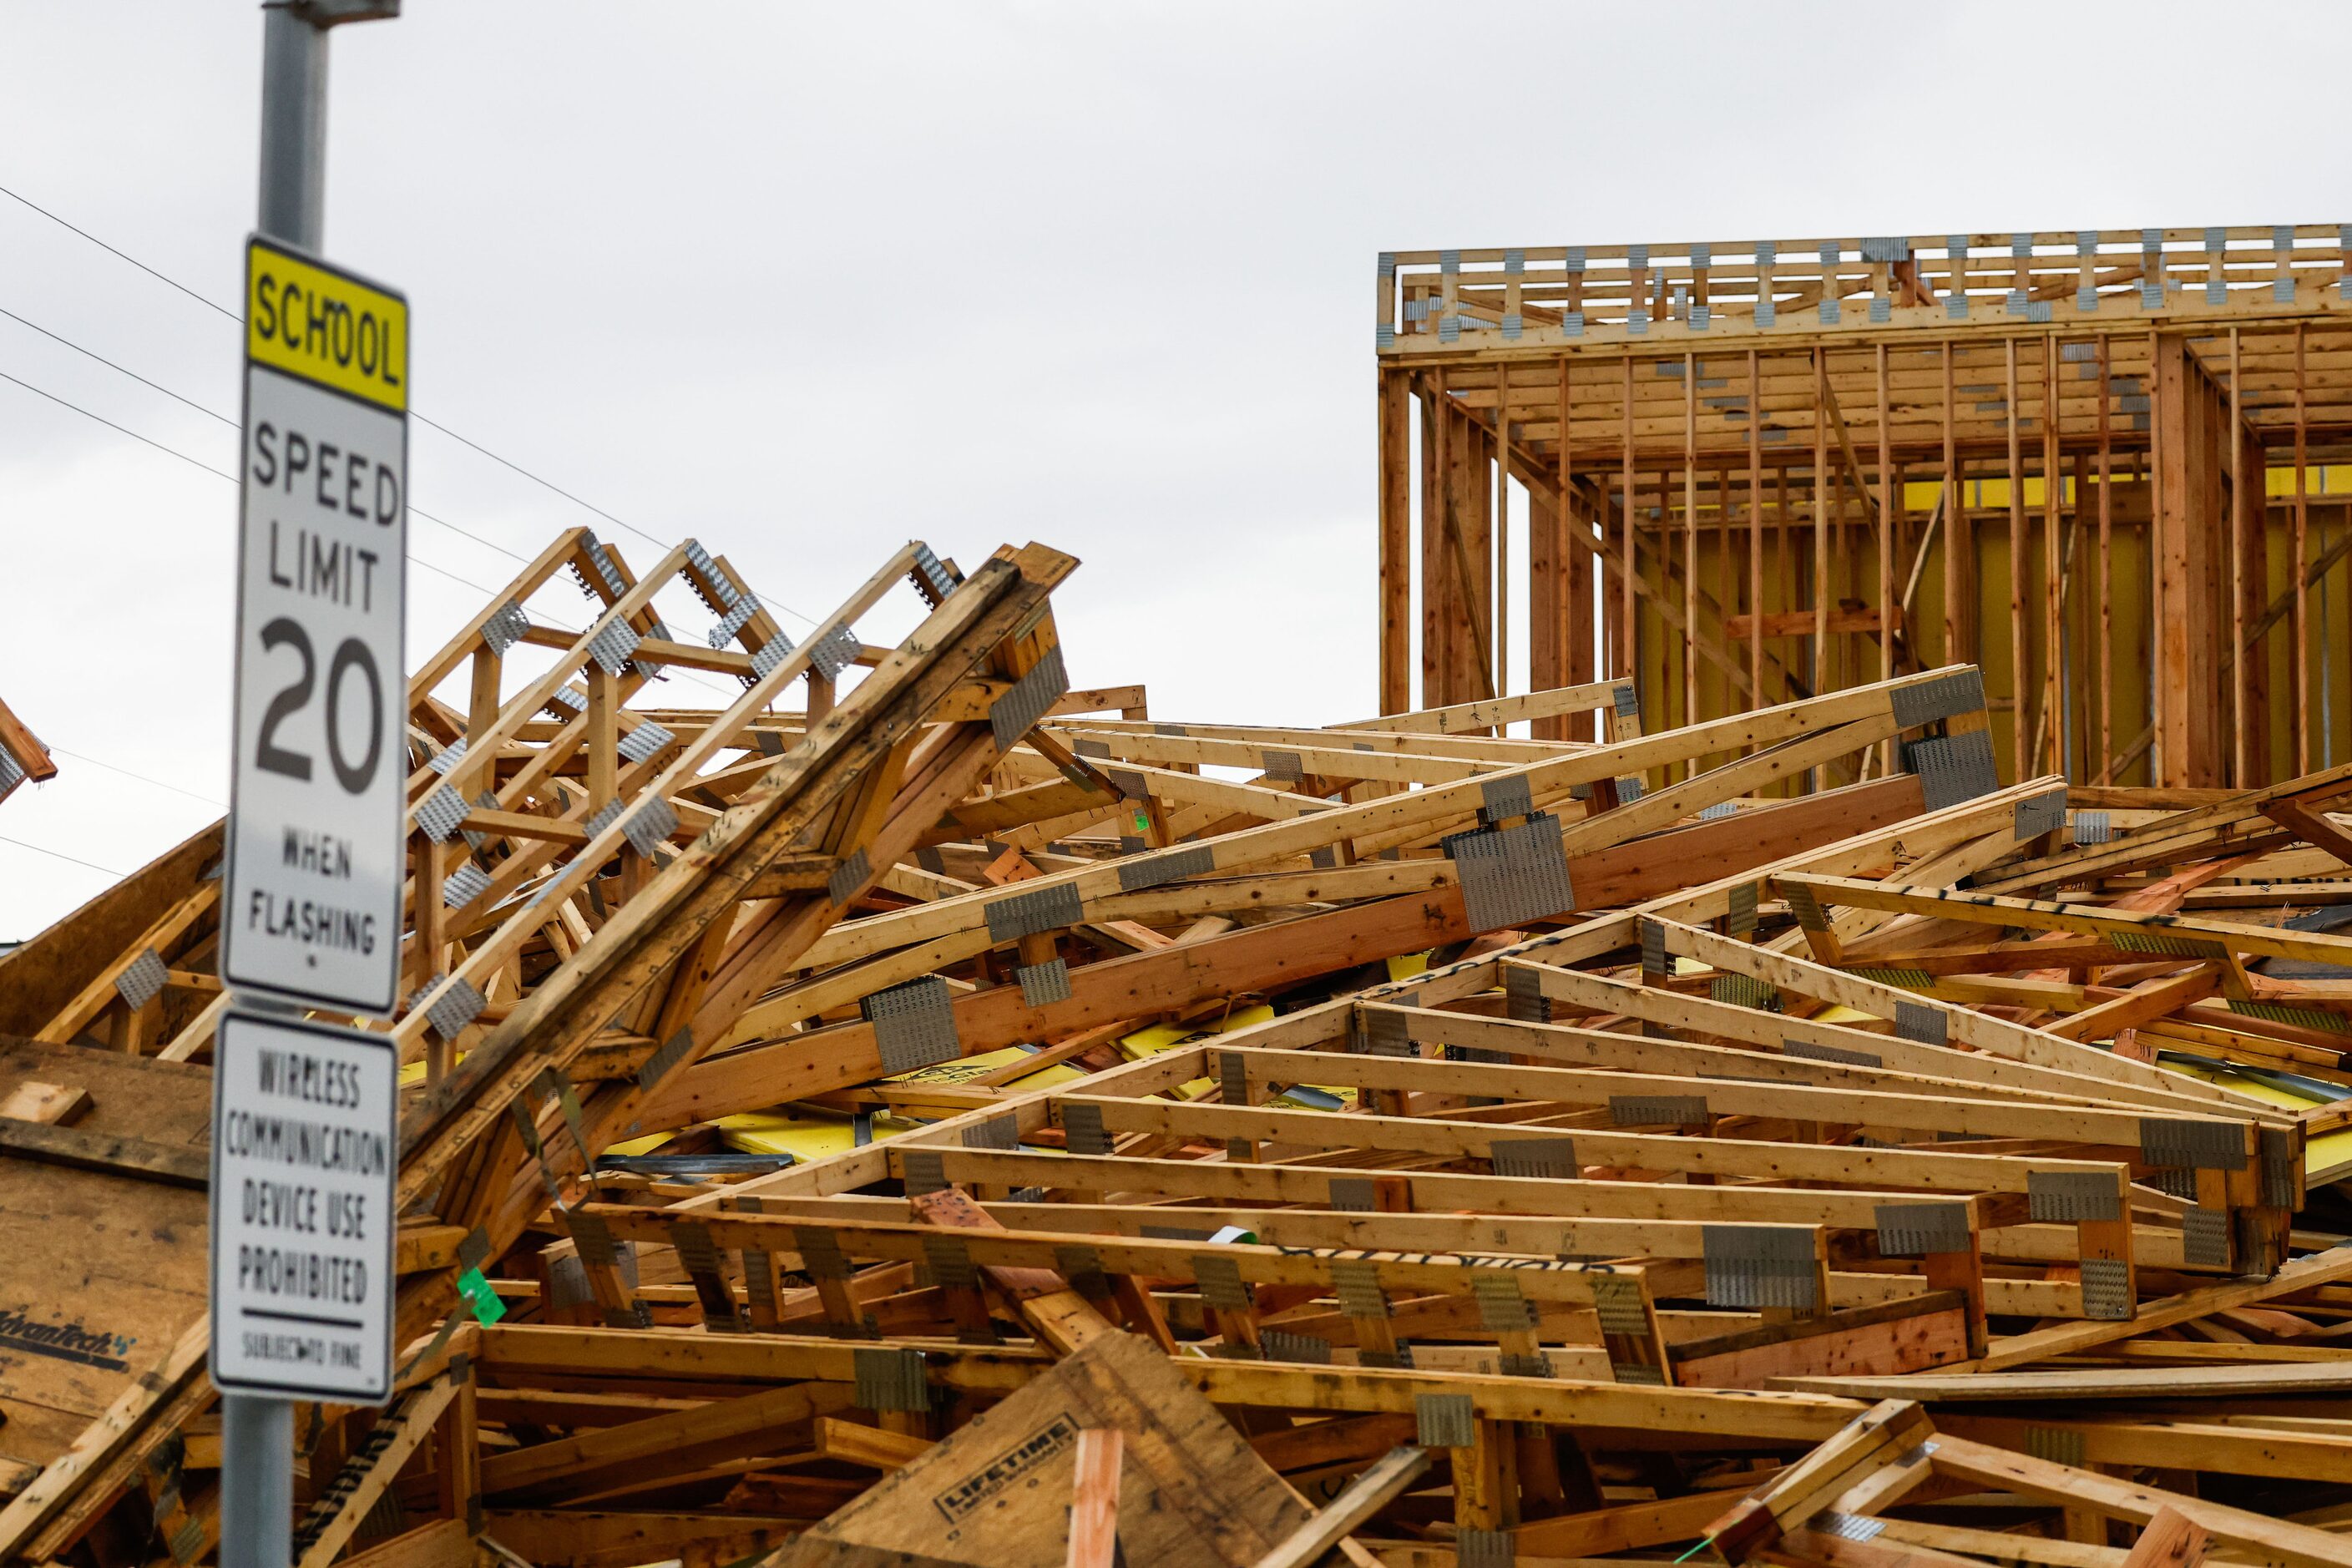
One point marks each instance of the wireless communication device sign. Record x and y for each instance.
(305, 1145)
(312, 911)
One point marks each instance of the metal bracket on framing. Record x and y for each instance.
(1081, 1128)
(1657, 1110)
(141, 980)
(458, 1005)
(2181, 1144)
(1922, 1025)
(1523, 996)
(2040, 814)
(1042, 984)
(1808, 1051)
(1545, 1157)
(914, 1024)
(1953, 769)
(1915, 1230)
(1011, 715)
(1032, 914)
(1512, 876)
(890, 1379)
(1751, 1267)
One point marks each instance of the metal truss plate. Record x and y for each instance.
(458, 1005)
(1475, 1548)
(1504, 797)
(1953, 769)
(1356, 1282)
(846, 880)
(2040, 814)
(505, 627)
(1503, 1307)
(2164, 942)
(1543, 1157)
(2069, 1197)
(663, 1062)
(2205, 1237)
(1161, 866)
(1657, 1110)
(1042, 984)
(1303, 1347)
(1838, 1054)
(821, 1254)
(1805, 906)
(835, 652)
(999, 1131)
(1353, 1194)
(923, 1171)
(2055, 1445)
(1922, 1025)
(649, 827)
(645, 741)
(1739, 910)
(1512, 876)
(464, 885)
(1282, 766)
(1745, 991)
(1031, 914)
(614, 641)
(1523, 997)
(141, 980)
(930, 576)
(1618, 1301)
(1654, 948)
(1010, 716)
(770, 656)
(890, 1379)
(1221, 1283)
(1083, 1129)
(1387, 1033)
(914, 1025)
(1915, 1230)
(2181, 1144)
(2108, 1293)
(591, 1239)
(2282, 1176)
(438, 813)
(1945, 696)
(1444, 1421)
(1751, 1267)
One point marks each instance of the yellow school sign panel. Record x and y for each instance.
(325, 326)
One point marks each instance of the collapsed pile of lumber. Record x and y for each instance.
(948, 1122)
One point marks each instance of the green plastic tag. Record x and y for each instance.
(476, 1289)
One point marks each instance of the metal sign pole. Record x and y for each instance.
(256, 1495)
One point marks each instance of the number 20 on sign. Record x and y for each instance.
(312, 911)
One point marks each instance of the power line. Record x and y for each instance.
(110, 365)
(134, 261)
(142, 778)
(219, 473)
(60, 854)
(211, 414)
(475, 445)
(102, 419)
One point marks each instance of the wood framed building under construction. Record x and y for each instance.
(1748, 473)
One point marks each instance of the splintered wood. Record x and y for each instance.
(959, 1118)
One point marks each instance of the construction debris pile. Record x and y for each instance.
(962, 1120)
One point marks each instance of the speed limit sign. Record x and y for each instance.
(311, 909)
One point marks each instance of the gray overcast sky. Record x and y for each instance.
(808, 280)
